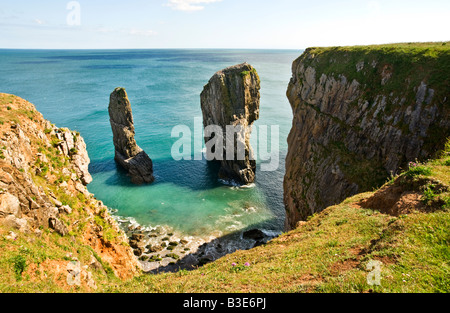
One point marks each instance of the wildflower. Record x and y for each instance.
(247, 264)
(233, 264)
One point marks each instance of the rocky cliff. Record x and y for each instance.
(231, 98)
(43, 178)
(128, 154)
(360, 115)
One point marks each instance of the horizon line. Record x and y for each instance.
(240, 48)
(292, 49)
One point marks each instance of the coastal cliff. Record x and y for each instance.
(231, 98)
(360, 115)
(56, 237)
(127, 153)
(44, 199)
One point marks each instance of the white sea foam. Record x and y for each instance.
(235, 185)
(271, 233)
(249, 186)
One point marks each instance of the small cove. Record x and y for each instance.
(71, 88)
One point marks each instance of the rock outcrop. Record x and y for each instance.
(231, 98)
(72, 145)
(360, 115)
(127, 153)
(43, 178)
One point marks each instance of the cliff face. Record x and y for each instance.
(128, 154)
(231, 98)
(361, 114)
(43, 178)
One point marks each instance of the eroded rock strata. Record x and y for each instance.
(232, 98)
(360, 115)
(43, 178)
(127, 153)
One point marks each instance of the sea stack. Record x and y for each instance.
(128, 154)
(231, 98)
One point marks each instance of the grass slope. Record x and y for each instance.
(331, 251)
(328, 253)
(38, 263)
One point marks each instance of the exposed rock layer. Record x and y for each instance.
(128, 154)
(231, 98)
(41, 167)
(359, 116)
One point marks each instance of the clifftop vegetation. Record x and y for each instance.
(328, 253)
(433, 60)
(404, 226)
(360, 114)
(48, 219)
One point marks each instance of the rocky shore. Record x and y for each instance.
(43, 179)
(162, 249)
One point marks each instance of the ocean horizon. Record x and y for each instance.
(71, 88)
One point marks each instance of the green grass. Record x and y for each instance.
(245, 73)
(2, 156)
(19, 265)
(327, 254)
(408, 65)
(37, 263)
(330, 252)
(418, 170)
(28, 264)
(407, 60)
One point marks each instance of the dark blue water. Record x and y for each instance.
(72, 88)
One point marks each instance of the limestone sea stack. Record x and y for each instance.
(128, 154)
(232, 98)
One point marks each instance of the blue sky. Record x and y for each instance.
(271, 24)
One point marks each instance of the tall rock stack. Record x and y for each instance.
(128, 154)
(231, 98)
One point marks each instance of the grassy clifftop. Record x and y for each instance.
(360, 114)
(405, 226)
(51, 227)
(390, 68)
(403, 60)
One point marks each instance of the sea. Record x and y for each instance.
(71, 88)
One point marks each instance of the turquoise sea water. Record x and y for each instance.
(72, 88)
